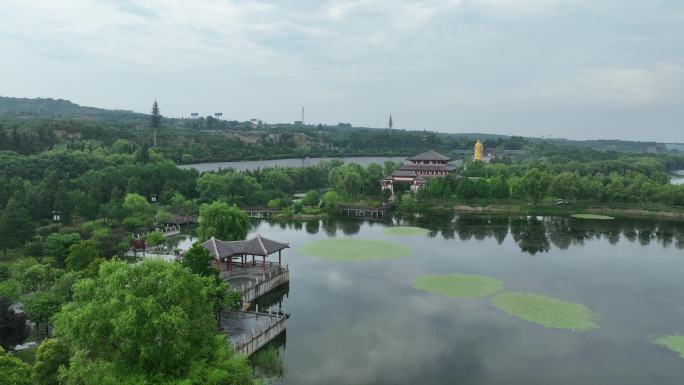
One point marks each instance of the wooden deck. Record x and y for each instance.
(366, 212)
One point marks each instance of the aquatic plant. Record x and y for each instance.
(547, 311)
(458, 285)
(673, 342)
(405, 230)
(354, 250)
(591, 216)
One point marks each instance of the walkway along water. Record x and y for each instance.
(253, 279)
(249, 331)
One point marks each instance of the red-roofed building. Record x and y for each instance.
(419, 170)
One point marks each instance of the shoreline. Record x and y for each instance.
(558, 211)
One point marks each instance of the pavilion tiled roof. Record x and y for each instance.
(255, 246)
(428, 167)
(404, 174)
(430, 155)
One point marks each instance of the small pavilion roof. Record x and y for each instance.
(430, 155)
(254, 246)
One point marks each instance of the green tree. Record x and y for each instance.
(347, 179)
(222, 221)
(140, 213)
(41, 306)
(198, 260)
(154, 238)
(16, 227)
(13, 327)
(499, 188)
(330, 201)
(466, 189)
(311, 198)
(13, 371)
(155, 122)
(159, 325)
(36, 277)
(81, 254)
(535, 184)
(10, 289)
(565, 185)
(51, 355)
(57, 245)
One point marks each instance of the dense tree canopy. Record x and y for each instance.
(222, 221)
(151, 321)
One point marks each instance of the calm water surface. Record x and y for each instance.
(299, 162)
(364, 323)
(678, 177)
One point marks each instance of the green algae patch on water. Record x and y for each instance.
(405, 230)
(591, 216)
(673, 342)
(354, 250)
(547, 311)
(458, 285)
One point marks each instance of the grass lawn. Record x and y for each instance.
(27, 355)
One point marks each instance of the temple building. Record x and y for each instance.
(419, 170)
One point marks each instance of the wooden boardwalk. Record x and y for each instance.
(249, 331)
(261, 212)
(366, 212)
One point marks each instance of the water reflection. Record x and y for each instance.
(534, 235)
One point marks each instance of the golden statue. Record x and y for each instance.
(478, 151)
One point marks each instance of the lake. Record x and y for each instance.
(299, 162)
(364, 323)
(677, 177)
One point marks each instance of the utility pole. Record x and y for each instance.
(303, 123)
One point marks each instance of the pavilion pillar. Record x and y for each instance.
(228, 263)
(243, 261)
(263, 262)
(252, 259)
(279, 264)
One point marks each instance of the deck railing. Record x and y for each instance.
(264, 332)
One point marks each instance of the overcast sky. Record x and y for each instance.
(562, 68)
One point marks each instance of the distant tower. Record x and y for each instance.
(390, 124)
(303, 116)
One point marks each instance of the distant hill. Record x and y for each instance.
(60, 108)
(211, 137)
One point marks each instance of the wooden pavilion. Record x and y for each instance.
(228, 251)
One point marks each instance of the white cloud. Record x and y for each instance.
(446, 64)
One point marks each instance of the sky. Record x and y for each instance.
(578, 69)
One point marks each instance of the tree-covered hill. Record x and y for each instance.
(29, 126)
(60, 108)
